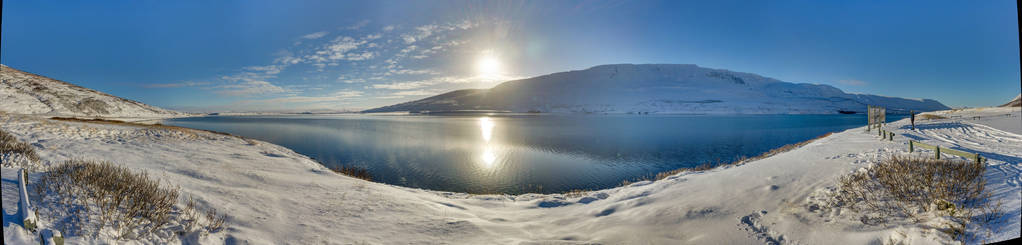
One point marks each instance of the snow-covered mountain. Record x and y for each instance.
(660, 88)
(26, 93)
(1017, 102)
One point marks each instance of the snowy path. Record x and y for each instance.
(275, 196)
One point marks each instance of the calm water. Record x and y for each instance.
(524, 153)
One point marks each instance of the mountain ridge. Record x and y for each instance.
(659, 88)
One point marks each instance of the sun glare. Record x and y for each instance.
(488, 66)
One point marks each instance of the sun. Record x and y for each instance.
(488, 66)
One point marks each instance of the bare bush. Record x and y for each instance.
(131, 203)
(909, 188)
(214, 221)
(10, 145)
(356, 172)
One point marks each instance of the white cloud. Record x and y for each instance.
(346, 80)
(315, 35)
(420, 33)
(268, 69)
(363, 56)
(412, 72)
(347, 93)
(359, 25)
(388, 28)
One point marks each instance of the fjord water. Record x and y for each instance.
(524, 153)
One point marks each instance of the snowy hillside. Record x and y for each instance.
(1017, 102)
(26, 93)
(660, 88)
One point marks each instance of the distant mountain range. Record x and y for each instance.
(26, 93)
(660, 88)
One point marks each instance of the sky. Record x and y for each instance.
(205, 56)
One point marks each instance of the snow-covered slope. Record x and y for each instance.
(659, 88)
(1017, 102)
(26, 93)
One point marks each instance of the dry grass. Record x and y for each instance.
(10, 145)
(109, 196)
(931, 117)
(132, 203)
(909, 188)
(576, 193)
(134, 124)
(739, 161)
(355, 172)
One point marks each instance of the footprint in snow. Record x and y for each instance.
(752, 224)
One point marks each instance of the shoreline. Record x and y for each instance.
(247, 174)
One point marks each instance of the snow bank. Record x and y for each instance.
(273, 195)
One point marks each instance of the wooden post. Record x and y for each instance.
(27, 212)
(913, 113)
(869, 118)
(979, 159)
(911, 146)
(936, 151)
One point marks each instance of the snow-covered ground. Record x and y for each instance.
(273, 195)
(1003, 118)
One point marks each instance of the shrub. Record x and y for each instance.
(106, 195)
(356, 172)
(909, 187)
(10, 145)
(132, 203)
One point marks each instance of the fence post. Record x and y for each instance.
(913, 113)
(979, 159)
(27, 213)
(911, 146)
(936, 151)
(892, 137)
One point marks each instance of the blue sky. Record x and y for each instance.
(309, 55)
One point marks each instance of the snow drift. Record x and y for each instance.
(26, 93)
(660, 88)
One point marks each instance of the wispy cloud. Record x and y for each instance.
(315, 35)
(359, 25)
(336, 96)
(425, 83)
(177, 85)
(248, 88)
(364, 63)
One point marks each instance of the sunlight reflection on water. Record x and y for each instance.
(488, 156)
(520, 153)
